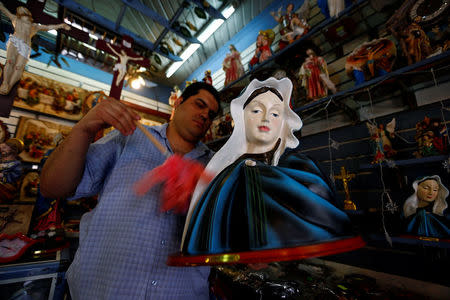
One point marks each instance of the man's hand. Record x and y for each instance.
(109, 112)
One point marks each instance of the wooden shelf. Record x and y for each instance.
(413, 240)
(366, 85)
(408, 162)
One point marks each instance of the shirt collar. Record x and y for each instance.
(199, 150)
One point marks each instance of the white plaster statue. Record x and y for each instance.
(121, 66)
(18, 48)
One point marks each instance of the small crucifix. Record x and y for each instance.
(346, 177)
(124, 53)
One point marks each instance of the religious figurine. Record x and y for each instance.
(263, 51)
(262, 205)
(121, 66)
(417, 44)
(331, 8)
(380, 139)
(346, 177)
(424, 210)
(232, 66)
(292, 25)
(47, 211)
(299, 28)
(207, 79)
(10, 168)
(174, 99)
(18, 48)
(431, 137)
(314, 76)
(371, 59)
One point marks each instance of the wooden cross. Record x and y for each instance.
(346, 177)
(124, 53)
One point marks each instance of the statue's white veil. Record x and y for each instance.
(412, 203)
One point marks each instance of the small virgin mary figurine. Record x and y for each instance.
(262, 205)
(424, 210)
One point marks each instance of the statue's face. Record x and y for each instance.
(427, 190)
(5, 150)
(264, 119)
(23, 11)
(290, 8)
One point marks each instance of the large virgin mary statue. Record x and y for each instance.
(262, 205)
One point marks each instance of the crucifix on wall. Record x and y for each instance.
(125, 54)
(346, 177)
(28, 20)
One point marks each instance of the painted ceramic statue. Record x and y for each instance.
(263, 205)
(314, 76)
(292, 25)
(431, 137)
(331, 8)
(424, 210)
(208, 78)
(263, 51)
(381, 140)
(18, 48)
(416, 43)
(370, 60)
(232, 66)
(10, 169)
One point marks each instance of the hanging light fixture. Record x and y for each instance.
(137, 82)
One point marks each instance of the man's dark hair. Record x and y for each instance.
(195, 87)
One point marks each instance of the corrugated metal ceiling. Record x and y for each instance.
(145, 27)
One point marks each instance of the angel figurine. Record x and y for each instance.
(380, 138)
(263, 206)
(424, 210)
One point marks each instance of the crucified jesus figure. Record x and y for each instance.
(121, 66)
(18, 49)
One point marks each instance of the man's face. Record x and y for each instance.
(194, 115)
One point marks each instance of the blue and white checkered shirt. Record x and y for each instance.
(125, 240)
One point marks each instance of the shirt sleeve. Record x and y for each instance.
(100, 160)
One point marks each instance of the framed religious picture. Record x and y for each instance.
(38, 137)
(41, 94)
(15, 218)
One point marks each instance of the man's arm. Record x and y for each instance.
(64, 168)
(7, 13)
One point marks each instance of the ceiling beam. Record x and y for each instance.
(164, 32)
(102, 21)
(214, 13)
(123, 9)
(142, 8)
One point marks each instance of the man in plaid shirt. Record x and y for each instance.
(125, 239)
